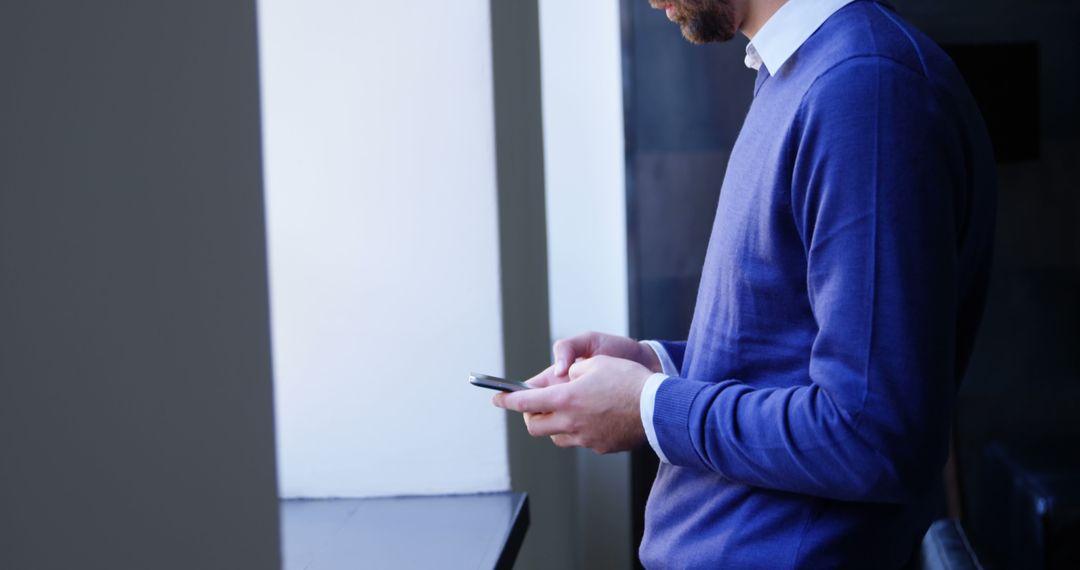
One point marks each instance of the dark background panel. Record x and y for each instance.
(1023, 382)
(1009, 102)
(684, 106)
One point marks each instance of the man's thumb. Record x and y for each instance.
(563, 357)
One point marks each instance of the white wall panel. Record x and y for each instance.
(379, 145)
(584, 166)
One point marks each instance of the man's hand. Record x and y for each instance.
(590, 344)
(597, 408)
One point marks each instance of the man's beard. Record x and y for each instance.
(703, 21)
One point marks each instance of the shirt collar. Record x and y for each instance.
(787, 30)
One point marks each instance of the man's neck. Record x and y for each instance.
(757, 13)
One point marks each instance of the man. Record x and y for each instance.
(805, 421)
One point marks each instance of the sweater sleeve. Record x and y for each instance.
(675, 350)
(872, 196)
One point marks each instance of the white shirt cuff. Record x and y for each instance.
(666, 363)
(648, 404)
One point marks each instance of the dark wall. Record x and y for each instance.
(136, 425)
(1023, 383)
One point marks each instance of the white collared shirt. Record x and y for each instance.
(787, 30)
(781, 36)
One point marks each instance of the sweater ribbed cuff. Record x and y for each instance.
(671, 419)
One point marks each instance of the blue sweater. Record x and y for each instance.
(843, 284)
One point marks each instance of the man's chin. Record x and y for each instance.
(695, 36)
(689, 36)
(704, 24)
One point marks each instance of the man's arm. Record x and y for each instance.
(872, 197)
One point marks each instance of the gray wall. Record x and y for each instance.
(136, 426)
(548, 474)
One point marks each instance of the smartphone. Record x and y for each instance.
(493, 383)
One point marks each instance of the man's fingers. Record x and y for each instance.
(543, 425)
(567, 350)
(546, 378)
(535, 401)
(541, 380)
(565, 440)
(582, 366)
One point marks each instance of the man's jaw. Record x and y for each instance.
(716, 26)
